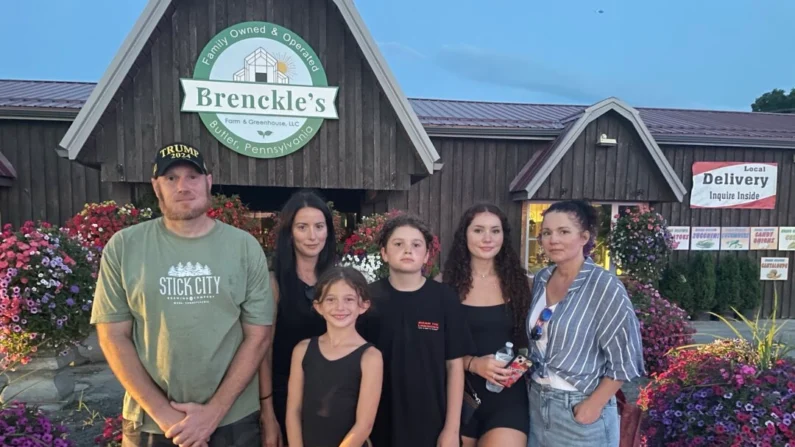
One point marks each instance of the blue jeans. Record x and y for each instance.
(552, 420)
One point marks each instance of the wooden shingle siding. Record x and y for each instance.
(474, 170)
(367, 148)
(47, 187)
(682, 159)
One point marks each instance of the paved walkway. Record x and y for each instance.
(708, 331)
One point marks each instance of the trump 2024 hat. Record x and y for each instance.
(177, 153)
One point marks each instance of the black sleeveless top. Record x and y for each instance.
(491, 327)
(331, 395)
(296, 320)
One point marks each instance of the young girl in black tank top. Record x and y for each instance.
(335, 379)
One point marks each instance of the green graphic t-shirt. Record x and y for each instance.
(187, 299)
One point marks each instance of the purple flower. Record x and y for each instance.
(74, 289)
(70, 302)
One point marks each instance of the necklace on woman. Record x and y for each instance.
(484, 275)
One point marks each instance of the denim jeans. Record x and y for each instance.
(243, 433)
(552, 420)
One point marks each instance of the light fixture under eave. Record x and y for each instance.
(604, 141)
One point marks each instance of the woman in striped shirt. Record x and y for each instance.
(584, 337)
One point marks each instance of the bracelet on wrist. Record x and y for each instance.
(266, 397)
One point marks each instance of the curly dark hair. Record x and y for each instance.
(514, 283)
(404, 220)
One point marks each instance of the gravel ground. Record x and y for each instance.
(97, 395)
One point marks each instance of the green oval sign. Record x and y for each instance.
(260, 90)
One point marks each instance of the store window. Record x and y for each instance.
(534, 254)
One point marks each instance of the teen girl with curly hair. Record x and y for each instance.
(495, 291)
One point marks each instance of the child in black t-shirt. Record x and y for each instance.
(419, 327)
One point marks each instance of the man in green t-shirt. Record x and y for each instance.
(184, 314)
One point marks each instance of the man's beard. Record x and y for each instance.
(190, 214)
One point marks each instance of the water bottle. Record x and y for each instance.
(504, 355)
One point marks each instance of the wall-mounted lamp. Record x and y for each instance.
(604, 141)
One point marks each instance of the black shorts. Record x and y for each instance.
(507, 409)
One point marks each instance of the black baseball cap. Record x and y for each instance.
(177, 153)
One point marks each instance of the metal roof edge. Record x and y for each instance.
(400, 103)
(758, 143)
(551, 134)
(504, 133)
(108, 85)
(37, 114)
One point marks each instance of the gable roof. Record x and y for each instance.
(136, 40)
(537, 169)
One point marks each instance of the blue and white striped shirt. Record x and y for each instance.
(593, 332)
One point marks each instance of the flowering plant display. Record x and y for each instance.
(97, 222)
(232, 211)
(716, 395)
(640, 243)
(111, 433)
(369, 265)
(22, 426)
(663, 325)
(47, 282)
(364, 241)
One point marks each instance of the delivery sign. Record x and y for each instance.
(727, 184)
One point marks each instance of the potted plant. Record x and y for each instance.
(23, 426)
(47, 282)
(640, 244)
(664, 326)
(96, 223)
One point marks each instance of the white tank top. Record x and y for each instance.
(552, 379)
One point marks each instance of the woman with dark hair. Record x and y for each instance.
(305, 248)
(485, 270)
(584, 337)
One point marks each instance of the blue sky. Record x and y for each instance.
(716, 54)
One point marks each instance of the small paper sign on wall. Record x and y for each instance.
(786, 238)
(681, 236)
(774, 269)
(705, 238)
(735, 238)
(764, 238)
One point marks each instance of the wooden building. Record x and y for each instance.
(212, 73)
(35, 183)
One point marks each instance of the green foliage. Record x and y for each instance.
(764, 337)
(675, 286)
(729, 283)
(775, 100)
(702, 278)
(751, 290)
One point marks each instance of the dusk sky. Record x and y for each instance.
(716, 54)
